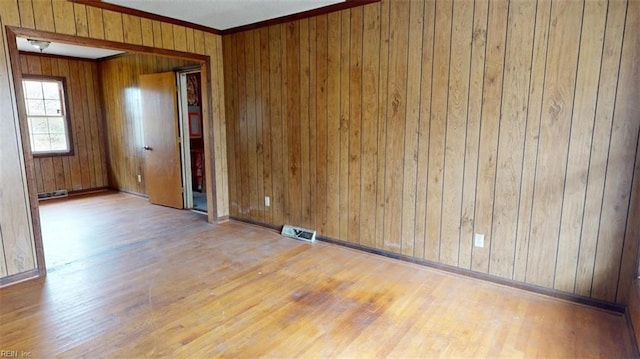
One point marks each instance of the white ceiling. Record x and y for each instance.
(67, 50)
(223, 14)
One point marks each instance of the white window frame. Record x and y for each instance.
(64, 115)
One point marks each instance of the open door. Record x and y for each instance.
(162, 143)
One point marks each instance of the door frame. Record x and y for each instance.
(13, 32)
(185, 143)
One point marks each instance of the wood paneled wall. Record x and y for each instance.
(18, 232)
(17, 252)
(122, 108)
(408, 126)
(86, 169)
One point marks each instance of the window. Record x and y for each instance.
(47, 118)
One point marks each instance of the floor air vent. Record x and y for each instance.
(53, 194)
(299, 233)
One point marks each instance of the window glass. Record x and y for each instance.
(46, 116)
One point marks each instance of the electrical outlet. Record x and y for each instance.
(267, 201)
(478, 240)
(139, 178)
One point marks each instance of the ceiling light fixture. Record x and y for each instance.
(39, 44)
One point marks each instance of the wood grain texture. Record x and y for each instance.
(555, 125)
(437, 128)
(506, 118)
(490, 120)
(538, 68)
(65, 20)
(582, 126)
(159, 116)
(369, 116)
(474, 112)
(124, 130)
(18, 245)
(86, 168)
(134, 294)
(456, 132)
(515, 98)
(622, 156)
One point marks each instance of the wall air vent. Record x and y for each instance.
(299, 233)
(53, 194)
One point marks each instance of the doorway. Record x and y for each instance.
(191, 128)
(12, 34)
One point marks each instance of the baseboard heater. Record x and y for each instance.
(302, 234)
(53, 194)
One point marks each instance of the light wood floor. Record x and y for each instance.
(129, 279)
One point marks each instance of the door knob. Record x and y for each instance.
(147, 148)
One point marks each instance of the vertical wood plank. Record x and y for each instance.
(95, 22)
(423, 133)
(456, 131)
(382, 123)
(166, 30)
(344, 99)
(180, 37)
(411, 129)
(490, 118)
(229, 80)
(293, 128)
(322, 139)
(536, 85)
(243, 129)
(355, 124)
(370, 85)
(629, 263)
(266, 119)
(624, 141)
(251, 123)
(79, 125)
(591, 42)
(62, 12)
(157, 34)
(99, 163)
(513, 122)
(474, 110)
(259, 129)
(17, 233)
(313, 143)
(305, 139)
(198, 40)
(10, 13)
(190, 44)
(333, 127)
(132, 27)
(43, 15)
(437, 127)
(275, 70)
(27, 19)
(146, 29)
(219, 145)
(74, 162)
(396, 113)
(82, 22)
(113, 25)
(557, 106)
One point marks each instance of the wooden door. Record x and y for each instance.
(161, 135)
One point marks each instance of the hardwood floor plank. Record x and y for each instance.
(139, 280)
